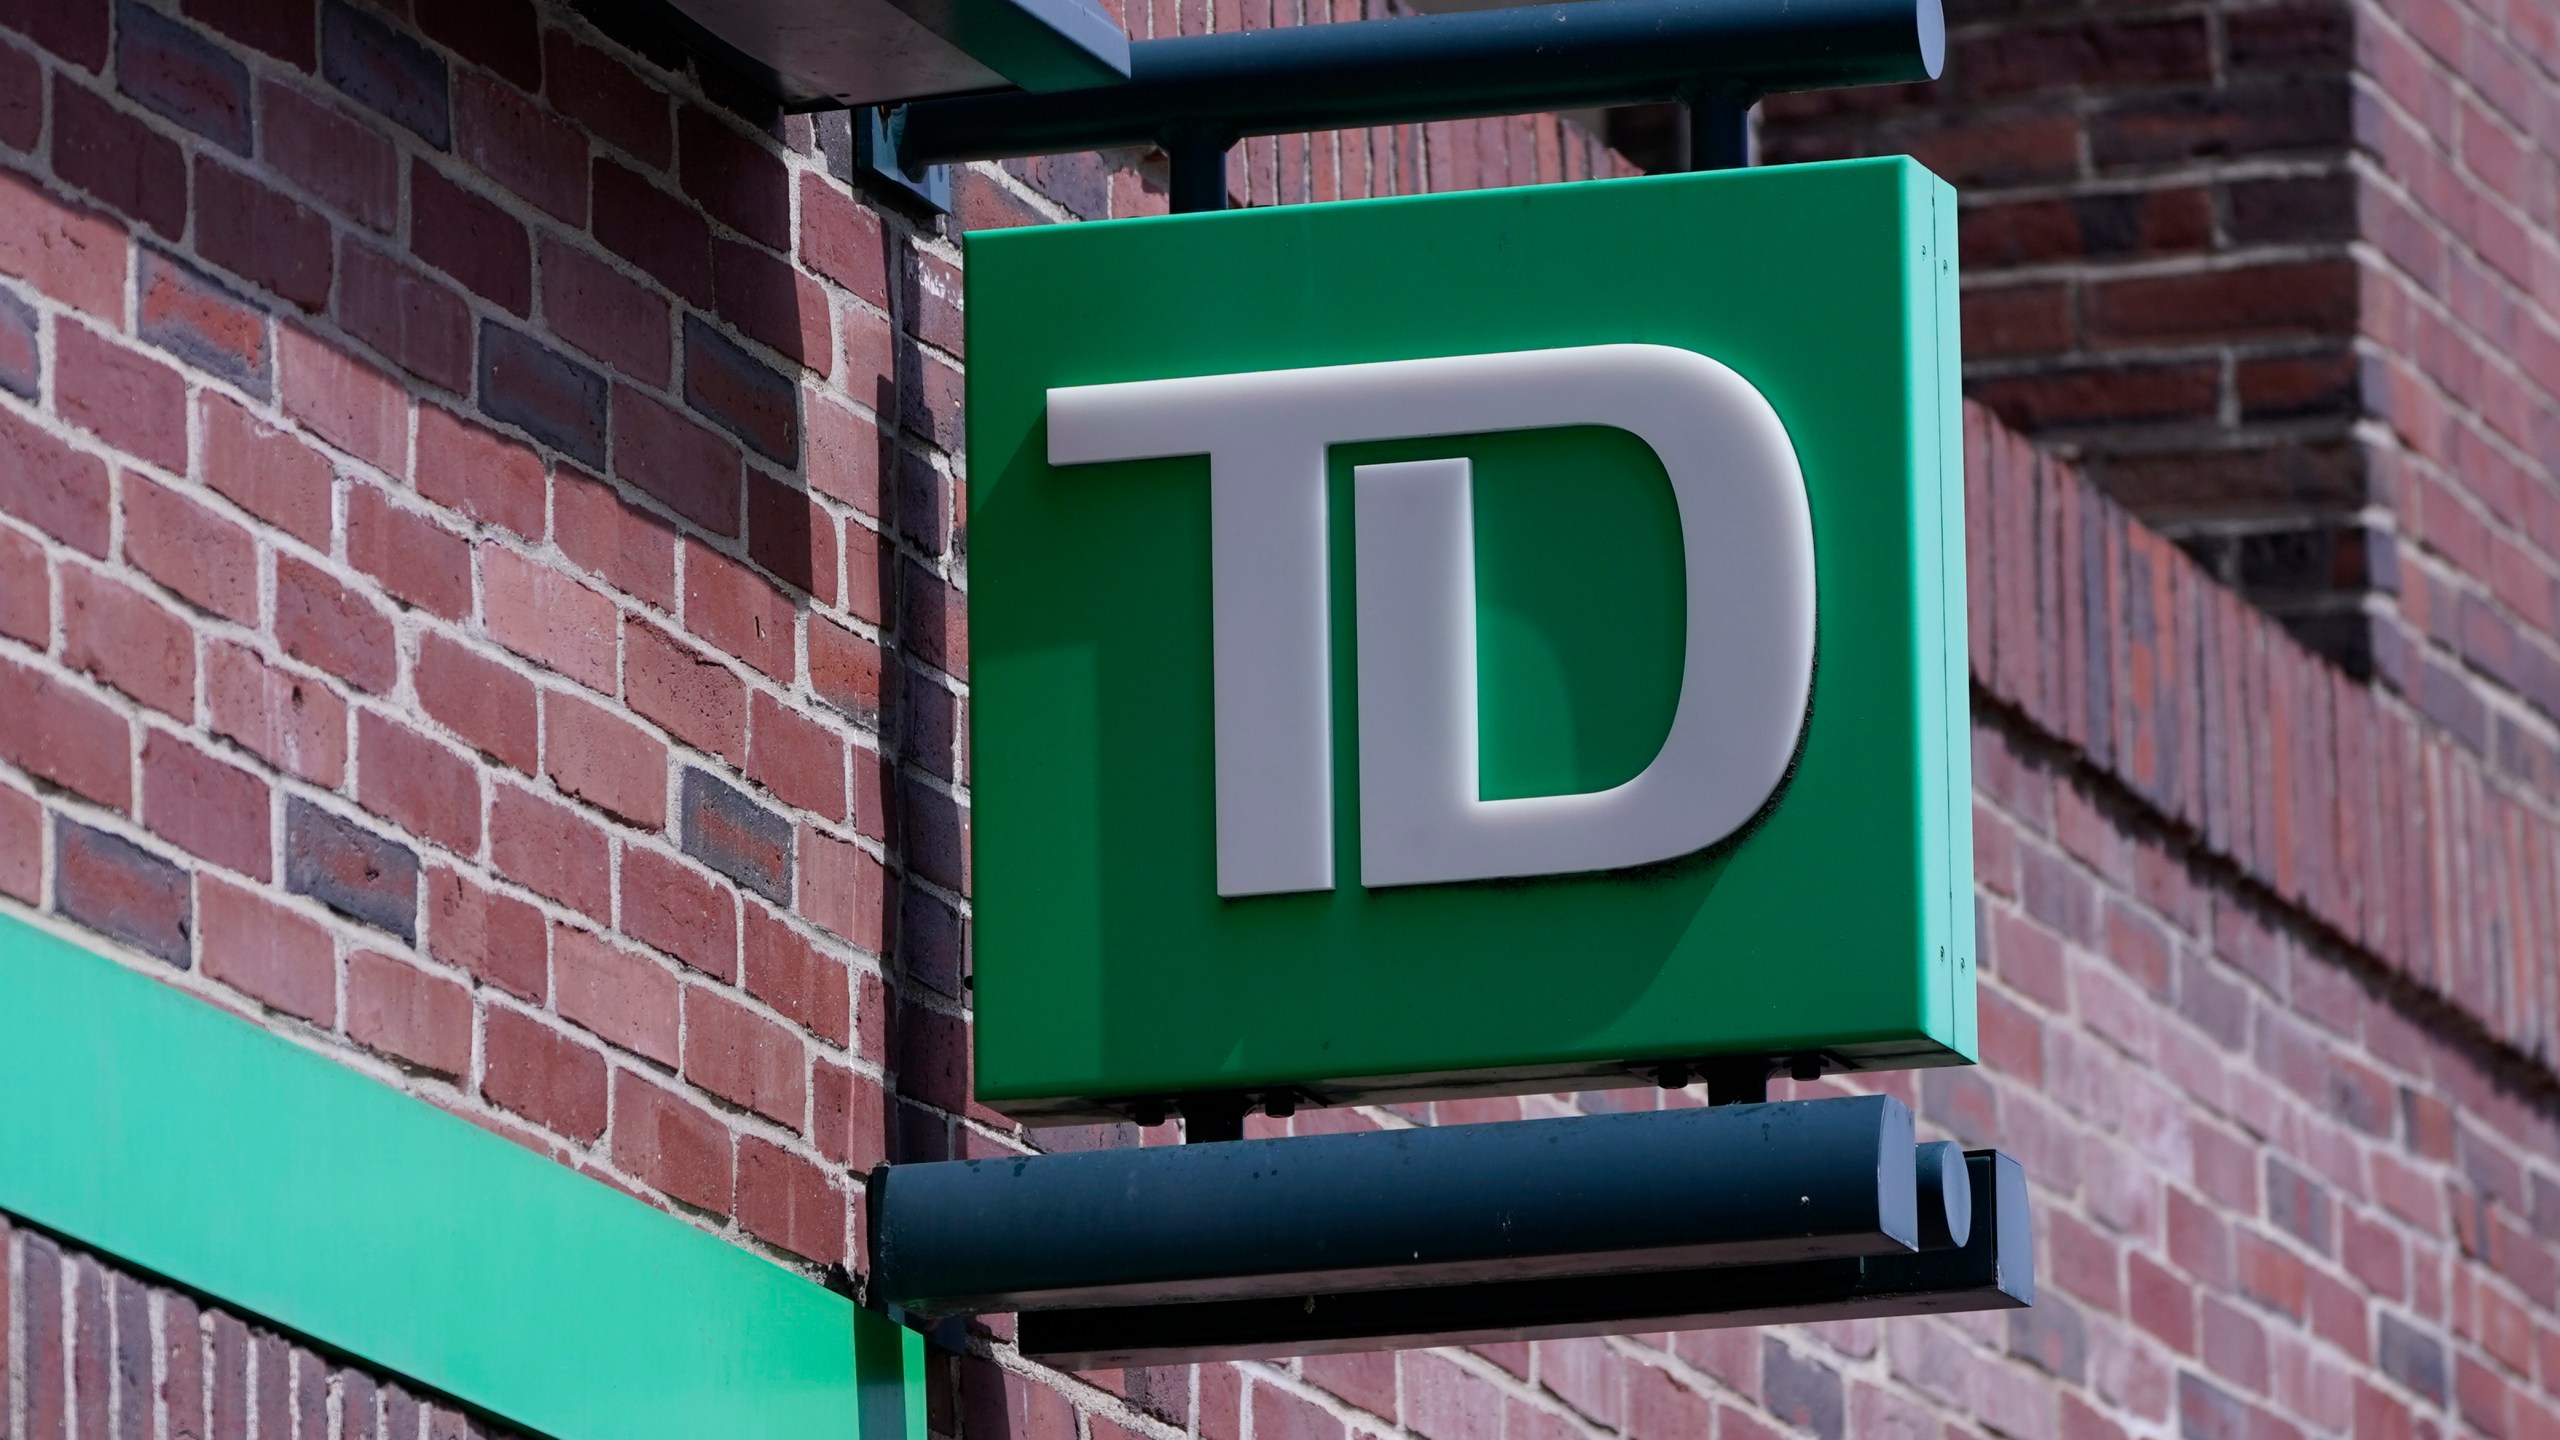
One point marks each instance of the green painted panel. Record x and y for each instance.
(1107, 966)
(186, 1141)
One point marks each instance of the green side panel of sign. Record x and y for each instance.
(1106, 964)
(188, 1142)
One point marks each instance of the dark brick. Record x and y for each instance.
(261, 234)
(2052, 1336)
(276, 27)
(117, 888)
(471, 239)
(604, 95)
(737, 837)
(1802, 1392)
(21, 362)
(423, 327)
(2206, 1411)
(350, 869)
(2412, 1357)
(507, 135)
(21, 98)
(386, 71)
(172, 70)
(119, 159)
(686, 466)
(652, 229)
(500, 34)
(557, 400)
(203, 322)
(741, 394)
(607, 314)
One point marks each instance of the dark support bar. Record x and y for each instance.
(1719, 133)
(1994, 1269)
(1668, 1189)
(1448, 67)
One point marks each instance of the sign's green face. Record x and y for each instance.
(1469, 644)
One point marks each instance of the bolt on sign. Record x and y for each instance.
(1469, 644)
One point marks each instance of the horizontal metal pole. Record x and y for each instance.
(1740, 1184)
(1445, 67)
(1994, 1270)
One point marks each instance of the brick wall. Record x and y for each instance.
(89, 1348)
(2281, 274)
(481, 594)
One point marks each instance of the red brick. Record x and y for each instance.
(126, 639)
(666, 1141)
(58, 490)
(266, 471)
(494, 936)
(322, 622)
(687, 468)
(197, 319)
(419, 324)
(699, 700)
(605, 760)
(844, 668)
(627, 1000)
(800, 761)
(742, 1057)
(548, 617)
(841, 240)
(284, 31)
(21, 870)
(625, 546)
(535, 1071)
(849, 1117)
(470, 238)
(2293, 298)
(172, 70)
(736, 180)
(605, 96)
(739, 612)
(843, 459)
(352, 405)
(842, 888)
(551, 850)
(933, 619)
(675, 908)
(120, 395)
(206, 807)
(292, 722)
(112, 885)
(74, 255)
(652, 229)
(803, 983)
(344, 161)
(514, 141)
(26, 590)
(415, 559)
(793, 538)
(205, 558)
(274, 956)
(784, 1200)
(413, 1015)
(618, 320)
(114, 156)
(479, 473)
(413, 782)
(479, 699)
(773, 304)
(261, 234)
(1278, 1415)
(2161, 1303)
(501, 34)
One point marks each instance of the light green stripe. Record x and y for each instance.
(186, 1141)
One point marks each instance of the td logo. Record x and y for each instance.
(1746, 538)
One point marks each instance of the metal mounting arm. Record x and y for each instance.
(1197, 95)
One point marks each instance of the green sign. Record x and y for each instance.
(1469, 644)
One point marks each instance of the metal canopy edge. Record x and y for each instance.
(1993, 1270)
(824, 53)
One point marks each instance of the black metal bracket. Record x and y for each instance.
(1991, 1268)
(1195, 96)
(1433, 1206)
